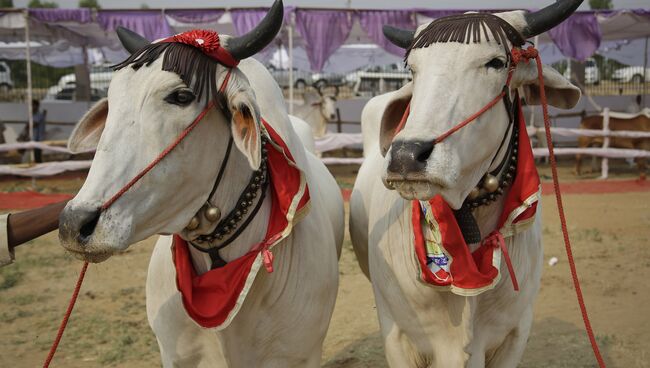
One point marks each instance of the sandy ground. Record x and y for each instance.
(108, 328)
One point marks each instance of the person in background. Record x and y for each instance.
(635, 106)
(19, 228)
(39, 127)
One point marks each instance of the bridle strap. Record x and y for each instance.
(167, 150)
(517, 55)
(222, 169)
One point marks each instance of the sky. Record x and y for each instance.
(383, 4)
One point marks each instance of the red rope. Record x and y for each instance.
(114, 198)
(155, 162)
(560, 208)
(66, 317)
(470, 119)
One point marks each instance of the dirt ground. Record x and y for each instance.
(610, 235)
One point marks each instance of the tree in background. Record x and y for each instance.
(93, 4)
(601, 4)
(144, 6)
(6, 3)
(42, 4)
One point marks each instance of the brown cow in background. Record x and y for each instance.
(640, 122)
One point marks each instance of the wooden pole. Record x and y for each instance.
(604, 165)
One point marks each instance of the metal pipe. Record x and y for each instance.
(28, 58)
(645, 70)
(290, 31)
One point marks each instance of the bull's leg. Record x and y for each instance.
(640, 164)
(578, 169)
(511, 350)
(594, 163)
(182, 343)
(401, 351)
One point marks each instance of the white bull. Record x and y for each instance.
(422, 326)
(284, 318)
(317, 110)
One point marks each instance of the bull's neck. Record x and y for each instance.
(237, 176)
(313, 115)
(487, 217)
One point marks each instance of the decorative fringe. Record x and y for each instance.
(466, 28)
(197, 70)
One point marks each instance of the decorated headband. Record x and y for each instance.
(208, 42)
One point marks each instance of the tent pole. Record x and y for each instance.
(645, 70)
(28, 58)
(290, 29)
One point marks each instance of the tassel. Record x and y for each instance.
(268, 260)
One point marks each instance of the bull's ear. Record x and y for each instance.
(559, 91)
(394, 106)
(245, 127)
(86, 134)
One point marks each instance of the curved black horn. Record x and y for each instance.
(549, 17)
(131, 41)
(257, 39)
(399, 37)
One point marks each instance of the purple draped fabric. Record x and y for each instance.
(195, 15)
(150, 24)
(324, 31)
(61, 15)
(435, 13)
(577, 37)
(372, 22)
(244, 20)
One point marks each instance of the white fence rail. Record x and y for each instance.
(335, 141)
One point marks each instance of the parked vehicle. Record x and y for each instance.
(592, 74)
(67, 94)
(6, 84)
(301, 78)
(633, 74)
(375, 80)
(100, 79)
(323, 80)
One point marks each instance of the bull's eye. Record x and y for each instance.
(181, 97)
(495, 63)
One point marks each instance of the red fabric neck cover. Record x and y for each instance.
(214, 298)
(474, 272)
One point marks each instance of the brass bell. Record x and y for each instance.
(212, 214)
(474, 193)
(194, 224)
(490, 183)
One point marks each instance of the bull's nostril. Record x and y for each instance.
(88, 227)
(410, 157)
(426, 153)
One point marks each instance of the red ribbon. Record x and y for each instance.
(496, 239)
(208, 42)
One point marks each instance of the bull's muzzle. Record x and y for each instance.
(77, 224)
(408, 159)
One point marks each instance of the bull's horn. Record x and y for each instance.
(131, 41)
(257, 39)
(399, 37)
(542, 20)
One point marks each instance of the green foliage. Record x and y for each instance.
(42, 76)
(42, 4)
(144, 6)
(93, 4)
(6, 3)
(601, 4)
